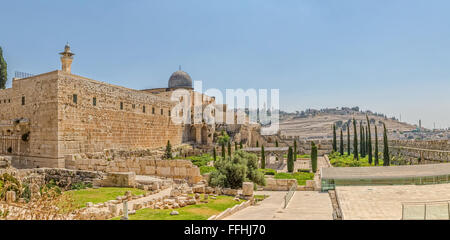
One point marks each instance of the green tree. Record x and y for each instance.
(276, 143)
(290, 160)
(376, 146)
(361, 139)
(241, 167)
(235, 146)
(214, 154)
(341, 144)
(3, 71)
(355, 141)
(168, 153)
(263, 158)
(313, 157)
(386, 158)
(229, 149)
(257, 143)
(223, 153)
(240, 145)
(369, 141)
(295, 150)
(348, 139)
(334, 138)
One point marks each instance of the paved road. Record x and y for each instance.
(265, 210)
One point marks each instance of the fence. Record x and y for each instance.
(289, 195)
(429, 210)
(18, 74)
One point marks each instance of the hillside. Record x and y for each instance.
(318, 125)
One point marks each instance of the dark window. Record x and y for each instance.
(94, 101)
(23, 100)
(162, 111)
(169, 113)
(9, 100)
(75, 98)
(4, 101)
(153, 110)
(133, 106)
(121, 105)
(143, 109)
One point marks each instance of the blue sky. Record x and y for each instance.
(389, 56)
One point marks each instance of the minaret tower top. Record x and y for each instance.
(66, 58)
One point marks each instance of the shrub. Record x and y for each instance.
(201, 160)
(207, 169)
(268, 171)
(233, 171)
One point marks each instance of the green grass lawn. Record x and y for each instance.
(99, 195)
(201, 211)
(300, 176)
(345, 160)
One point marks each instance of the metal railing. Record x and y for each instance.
(426, 210)
(18, 74)
(289, 194)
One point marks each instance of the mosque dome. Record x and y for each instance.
(180, 79)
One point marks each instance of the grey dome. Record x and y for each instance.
(180, 79)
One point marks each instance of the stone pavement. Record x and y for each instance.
(303, 205)
(265, 210)
(384, 202)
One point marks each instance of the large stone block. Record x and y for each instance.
(119, 179)
(247, 189)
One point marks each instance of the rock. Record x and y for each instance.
(247, 189)
(174, 213)
(199, 188)
(10, 196)
(230, 192)
(175, 205)
(175, 193)
(89, 204)
(236, 199)
(197, 196)
(205, 197)
(213, 197)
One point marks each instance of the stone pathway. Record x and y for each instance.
(304, 205)
(265, 210)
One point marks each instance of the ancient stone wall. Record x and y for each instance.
(420, 152)
(30, 107)
(139, 164)
(119, 118)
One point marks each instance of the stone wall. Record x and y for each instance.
(140, 165)
(121, 118)
(421, 152)
(30, 106)
(45, 117)
(279, 184)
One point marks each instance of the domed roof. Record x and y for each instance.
(180, 79)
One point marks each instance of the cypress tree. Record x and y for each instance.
(295, 150)
(355, 141)
(263, 158)
(341, 145)
(348, 139)
(361, 140)
(257, 143)
(229, 149)
(313, 157)
(376, 146)
(3, 71)
(235, 146)
(369, 140)
(168, 154)
(240, 145)
(334, 138)
(276, 143)
(386, 158)
(214, 154)
(223, 150)
(290, 161)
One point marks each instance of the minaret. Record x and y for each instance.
(66, 58)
